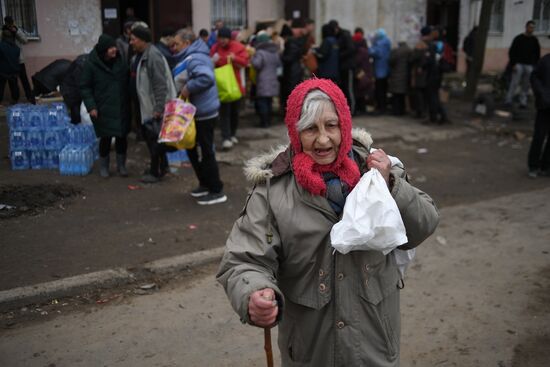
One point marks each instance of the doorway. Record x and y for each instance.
(445, 13)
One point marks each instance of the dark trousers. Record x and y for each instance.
(419, 101)
(380, 93)
(121, 145)
(541, 133)
(229, 119)
(205, 166)
(436, 109)
(25, 83)
(398, 104)
(346, 84)
(264, 108)
(157, 153)
(14, 87)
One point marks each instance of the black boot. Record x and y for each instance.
(121, 165)
(104, 166)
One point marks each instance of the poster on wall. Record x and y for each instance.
(110, 13)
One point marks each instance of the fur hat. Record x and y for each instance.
(307, 172)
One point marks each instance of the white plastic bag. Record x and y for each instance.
(371, 219)
(403, 258)
(84, 115)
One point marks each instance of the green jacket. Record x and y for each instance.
(335, 310)
(106, 89)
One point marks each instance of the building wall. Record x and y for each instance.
(258, 10)
(67, 29)
(516, 14)
(402, 19)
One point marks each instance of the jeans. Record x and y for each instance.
(542, 132)
(229, 119)
(264, 107)
(520, 77)
(206, 167)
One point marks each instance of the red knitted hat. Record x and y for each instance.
(307, 172)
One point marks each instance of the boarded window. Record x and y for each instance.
(233, 13)
(541, 15)
(23, 13)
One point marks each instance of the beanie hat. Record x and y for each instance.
(308, 173)
(142, 33)
(104, 43)
(224, 33)
(261, 38)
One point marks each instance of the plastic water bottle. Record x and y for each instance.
(19, 160)
(35, 118)
(18, 140)
(16, 118)
(36, 159)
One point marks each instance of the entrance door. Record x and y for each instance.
(445, 13)
(172, 14)
(296, 9)
(110, 17)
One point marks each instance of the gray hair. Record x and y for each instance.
(312, 108)
(186, 34)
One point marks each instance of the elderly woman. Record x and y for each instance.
(279, 267)
(103, 86)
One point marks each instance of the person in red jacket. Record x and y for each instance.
(223, 51)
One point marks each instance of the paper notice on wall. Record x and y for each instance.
(296, 14)
(74, 29)
(110, 13)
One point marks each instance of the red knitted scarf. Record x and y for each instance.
(308, 173)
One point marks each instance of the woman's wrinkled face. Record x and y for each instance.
(321, 141)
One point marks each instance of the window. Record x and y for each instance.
(23, 13)
(233, 13)
(497, 17)
(541, 15)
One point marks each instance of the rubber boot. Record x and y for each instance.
(104, 166)
(121, 165)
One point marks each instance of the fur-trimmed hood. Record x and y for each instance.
(276, 162)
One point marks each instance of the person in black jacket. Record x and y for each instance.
(293, 72)
(539, 164)
(346, 62)
(523, 56)
(9, 64)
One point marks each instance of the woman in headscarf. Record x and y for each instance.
(104, 89)
(279, 267)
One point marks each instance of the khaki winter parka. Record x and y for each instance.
(334, 309)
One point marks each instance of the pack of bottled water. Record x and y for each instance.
(39, 133)
(78, 156)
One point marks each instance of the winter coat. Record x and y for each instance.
(399, 69)
(240, 60)
(293, 72)
(364, 73)
(419, 59)
(154, 83)
(266, 61)
(9, 59)
(334, 309)
(105, 89)
(328, 59)
(380, 52)
(540, 81)
(346, 50)
(196, 71)
(70, 85)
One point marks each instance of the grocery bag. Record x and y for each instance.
(371, 218)
(226, 81)
(178, 124)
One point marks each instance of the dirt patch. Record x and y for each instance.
(33, 199)
(539, 299)
(532, 352)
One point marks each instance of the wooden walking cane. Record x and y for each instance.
(267, 346)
